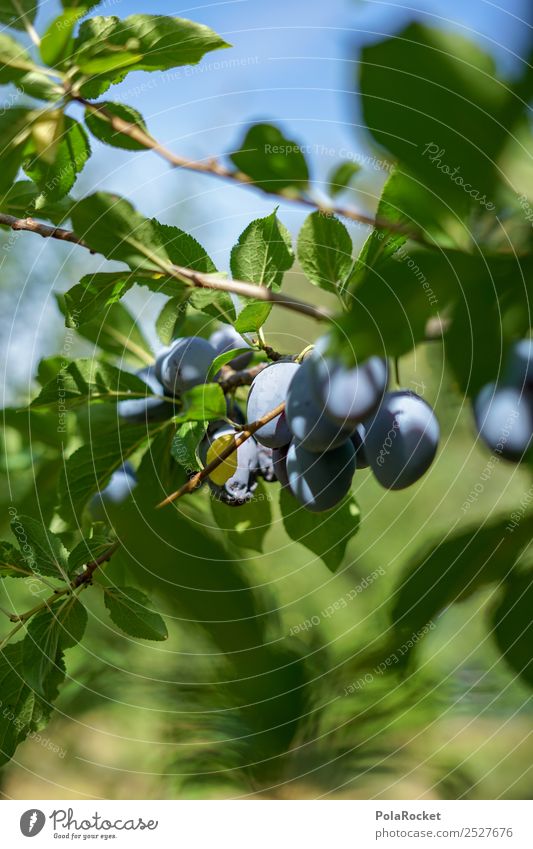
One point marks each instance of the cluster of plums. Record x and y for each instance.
(504, 411)
(336, 419)
(179, 367)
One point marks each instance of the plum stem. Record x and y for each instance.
(247, 431)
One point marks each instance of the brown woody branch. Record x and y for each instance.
(216, 168)
(86, 576)
(196, 480)
(44, 230)
(231, 380)
(187, 275)
(80, 580)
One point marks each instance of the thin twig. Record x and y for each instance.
(233, 379)
(81, 580)
(216, 168)
(246, 290)
(86, 576)
(30, 29)
(187, 275)
(196, 480)
(42, 229)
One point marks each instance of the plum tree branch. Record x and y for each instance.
(81, 580)
(44, 230)
(188, 275)
(196, 480)
(86, 576)
(231, 380)
(214, 167)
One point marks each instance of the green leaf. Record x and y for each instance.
(102, 129)
(94, 294)
(252, 317)
(14, 60)
(14, 13)
(83, 6)
(23, 199)
(182, 249)
(112, 227)
(214, 304)
(38, 84)
(132, 612)
(107, 48)
(382, 244)
(452, 570)
(325, 251)
(392, 303)
(48, 634)
(34, 427)
(513, 627)
(171, 318)
(433, 99)
(263, 253)
(57, 42)
(57, 155)
(48, 369)
(247, 526)
(185, 443)
(87, 380)
(326, 535)
(159, 471)
(206, 402)
(89, 468)
(113, 328)
(491, 312)
(223, 359)
(342, 177)
(272, 161)
(42, 551)
(15, 127)
(12, 563)
(22, 711)
(88, 550)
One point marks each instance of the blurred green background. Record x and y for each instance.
(161, 721)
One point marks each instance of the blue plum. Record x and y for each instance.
(358, 439)
(279, 459)
(320, 481)
(519, 366)
(268, 390)
(239, 488)
(159, 361)
(265, 463)
(117, 490)
(348, 395)
(186, 364)
(401, 439)
(149, 408)
(226, 339)
(306, 417)
(504, 419)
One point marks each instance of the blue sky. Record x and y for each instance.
(293, 63)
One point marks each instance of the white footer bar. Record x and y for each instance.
(268, 824)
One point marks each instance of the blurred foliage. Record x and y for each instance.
(403, 669)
